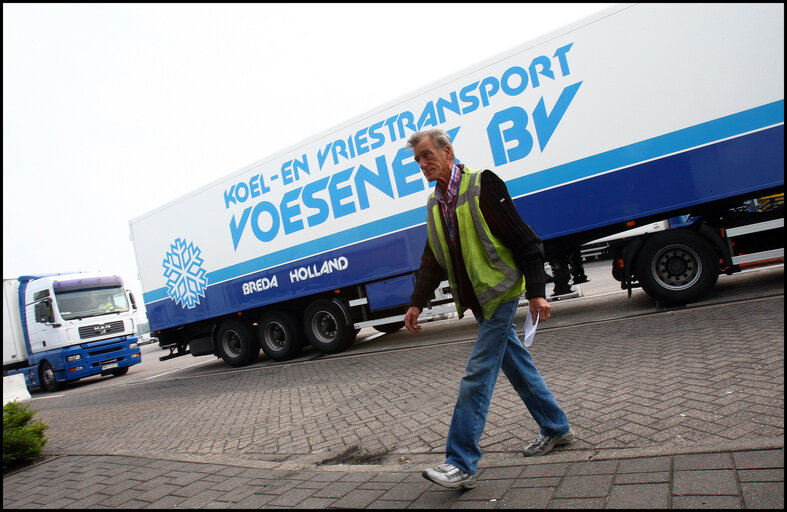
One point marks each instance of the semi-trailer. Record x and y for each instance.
(638, 114)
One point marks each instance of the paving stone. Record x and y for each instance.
(437, 499)
(191, 489)
(291, 497)
(644, 465)
(358, 498)
(117, 500)
(83, 503)
(577, 503)
(763, 495)
(201, 499)
(706, 502)
(389, 504)
(473, 505)
(590, 486)
(379, 486)
(256, 500)
(761, 475)
(711, 482)
(498, 473)
(336, 489)
(602, 467)
(642, 478)
(549, 481)
(230, 484)
(157, 493)
(703, 461)
(357, 477)
(637, 496)
(540, 470)
(407, 490)
(536, 497)
(759, 459)
(327, 476)
(396, 477)
(315, 503)
(167, 502)
(487, 490)
(131, 504)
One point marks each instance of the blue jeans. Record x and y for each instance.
(498, 346)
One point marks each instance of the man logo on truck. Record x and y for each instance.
(102, 329)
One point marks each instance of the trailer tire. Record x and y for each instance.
(280, 334)
(389, 328)
(47, 377)
(236, 343)
(325, 327)
(677, 267)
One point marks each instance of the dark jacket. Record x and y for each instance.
(505, 223)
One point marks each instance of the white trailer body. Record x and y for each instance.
(630, 116)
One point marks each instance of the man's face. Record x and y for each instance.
(435, 164)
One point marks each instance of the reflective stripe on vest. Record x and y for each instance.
(489, 264)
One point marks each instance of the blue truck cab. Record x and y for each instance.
(59, 328)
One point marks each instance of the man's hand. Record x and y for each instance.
(411, 320)
(539, 306)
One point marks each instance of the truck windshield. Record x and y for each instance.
(91, 302)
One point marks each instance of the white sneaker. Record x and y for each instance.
(544, 444)
(451, 476)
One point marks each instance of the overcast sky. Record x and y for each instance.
(110, 111)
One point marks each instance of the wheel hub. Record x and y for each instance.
(232, 343)
(327, 326)
(275, 336)
(677, 267)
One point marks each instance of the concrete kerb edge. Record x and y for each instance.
(416, 462)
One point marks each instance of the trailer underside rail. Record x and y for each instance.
(172, 354)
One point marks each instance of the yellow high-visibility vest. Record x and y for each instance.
(490, 264)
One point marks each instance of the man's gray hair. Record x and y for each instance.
(438, 136)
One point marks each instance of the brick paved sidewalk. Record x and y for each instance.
(745, 479)
(676, 409)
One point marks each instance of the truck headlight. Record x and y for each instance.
(133, 345)
(75, 357)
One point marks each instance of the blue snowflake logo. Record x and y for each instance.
(186, 281)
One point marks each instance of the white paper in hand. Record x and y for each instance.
(530, 328)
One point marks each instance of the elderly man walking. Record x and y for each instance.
(478, 241)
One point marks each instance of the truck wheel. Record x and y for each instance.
(325, 327)
(47, 378)
(280, 335)
(120, 371)
(389, 328)
(236, 343)
(677, 267)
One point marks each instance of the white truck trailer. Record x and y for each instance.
(60, 328)
(634, 115)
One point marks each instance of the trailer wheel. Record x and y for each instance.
(325, 327)
(47, 378)
(677, 267)
(236, 343)
(280, 335)
(389, 328)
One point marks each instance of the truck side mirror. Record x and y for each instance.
(44, 312)
(133, 302)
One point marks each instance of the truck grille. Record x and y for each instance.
(93, 331)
